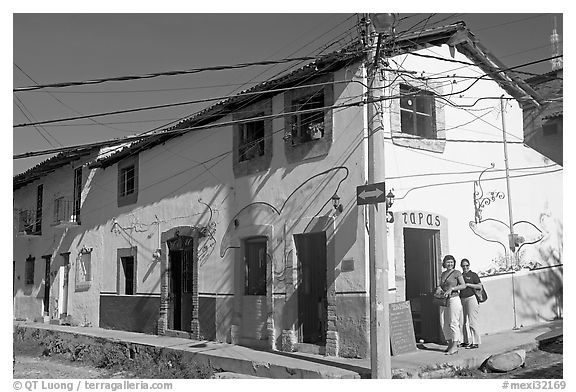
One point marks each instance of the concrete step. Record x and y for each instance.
(232, 375)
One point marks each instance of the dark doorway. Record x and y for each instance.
(312, 303)
(421, 257)
(181, 259)
(47, 259)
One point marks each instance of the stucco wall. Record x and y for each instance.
(129, 313)
(442, 183)
(529, 296)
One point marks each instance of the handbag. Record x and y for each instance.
(481, 295)
(439, 299)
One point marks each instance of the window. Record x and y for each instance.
(83, 270)
(59, 209)
(77, 194)
(128, 277)
(255, 266)
(417, 111)
(39, 196)
(308, 129)
(127, 181)
(25, 222)
(308, 125)
(251, 140)
(29, 270)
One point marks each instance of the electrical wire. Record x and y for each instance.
(158, 74)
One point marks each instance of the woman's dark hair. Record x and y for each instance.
(447, 258)
(464, 261)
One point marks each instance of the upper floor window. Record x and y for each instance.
(25, 221)
(128, 181)
(39, 197)
(417, 112)
(417, 118)
(251, 140)
(308, 122)
(77, 194)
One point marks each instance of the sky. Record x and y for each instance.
(64, 47)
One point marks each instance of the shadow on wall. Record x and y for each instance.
(539, 295)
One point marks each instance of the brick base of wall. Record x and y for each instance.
(235, 334)
(332, 345)
(289, 340)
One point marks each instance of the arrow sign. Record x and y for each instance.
(371, 194)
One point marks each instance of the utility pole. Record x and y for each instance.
(381, 365)
(512, 239)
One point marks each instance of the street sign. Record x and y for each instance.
(371, 194)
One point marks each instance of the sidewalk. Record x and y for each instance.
(428, 362)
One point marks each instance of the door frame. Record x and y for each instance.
(305, 225)
(195, 234)
(416, 219)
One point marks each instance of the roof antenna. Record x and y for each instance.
(556, 45)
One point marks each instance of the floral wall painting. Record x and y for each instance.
(537, 245)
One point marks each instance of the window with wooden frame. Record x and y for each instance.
(84, 270)
(39, 197)
(255, 261)
(251, 137)
(417, 111)
(77, 194)
(128, 181)
(308, 122)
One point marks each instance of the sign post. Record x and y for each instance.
(380, 361)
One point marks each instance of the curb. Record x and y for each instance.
(218, 362)
(448, 368)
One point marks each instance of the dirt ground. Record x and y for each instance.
(544, 363)
(31, 363)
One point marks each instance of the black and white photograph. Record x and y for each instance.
(242, 194)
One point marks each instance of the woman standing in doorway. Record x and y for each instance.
(470, 306)
(450, 316)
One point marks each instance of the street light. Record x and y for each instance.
(384, 23)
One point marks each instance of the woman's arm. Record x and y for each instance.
(461, 284)
(476, 286)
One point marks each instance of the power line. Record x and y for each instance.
(175, 104)
(158, 74)
(255, 93)
(207, 126)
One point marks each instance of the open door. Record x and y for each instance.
(421, 255)
(312, 303)
(181, 258)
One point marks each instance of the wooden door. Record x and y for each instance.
(421, 258)
(311, 251)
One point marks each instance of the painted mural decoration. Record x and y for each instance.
(262, 213)
(546, 237)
